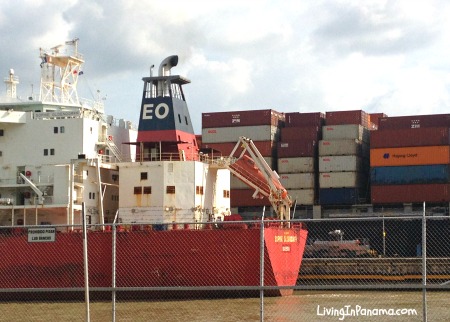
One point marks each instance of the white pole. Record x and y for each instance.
(86, 270)
(384, 239)
(261, 267)
(424, 265)
(114, 245)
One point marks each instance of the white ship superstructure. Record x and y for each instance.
(56, 148)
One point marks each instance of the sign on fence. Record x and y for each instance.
(39, 235)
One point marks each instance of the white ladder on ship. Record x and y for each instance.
(115, 150)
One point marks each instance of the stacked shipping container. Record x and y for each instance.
(297, 155)
(410, 160)
(409, 155)
(343, 158)
(221, 132)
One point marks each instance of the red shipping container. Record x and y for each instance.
(413, 193)
(348, 117)
(296, 119)
(243, 198)
(242, 118)
(414, 121)
(297, 148)
(374, 118)
(394, 138)
(266, 148)
(301, 133)
(198, 137)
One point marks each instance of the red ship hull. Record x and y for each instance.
(224, 257)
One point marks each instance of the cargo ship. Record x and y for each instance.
(169, 198)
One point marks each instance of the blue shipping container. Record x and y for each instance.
(341, 196)
(417, 174)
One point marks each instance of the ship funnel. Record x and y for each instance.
(165, 125)
(167, 64)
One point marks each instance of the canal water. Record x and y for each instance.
(320, 306)
(302, 306)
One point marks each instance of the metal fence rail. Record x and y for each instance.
(224, 271)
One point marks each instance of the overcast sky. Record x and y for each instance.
(291, 56)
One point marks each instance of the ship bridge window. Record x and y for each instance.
(147, 190)
(55, 129)
(137, 190)
(144, 175)
(170, 189)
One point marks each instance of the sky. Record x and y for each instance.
(379, 56)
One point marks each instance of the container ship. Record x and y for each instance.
(170, 196)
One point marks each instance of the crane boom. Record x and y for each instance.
(251, 167)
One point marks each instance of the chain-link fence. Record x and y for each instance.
(352, 269)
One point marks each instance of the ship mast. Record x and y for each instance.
(59, 73)
(11, 84)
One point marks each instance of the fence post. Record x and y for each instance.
(424, 265)
(113, 282)
(86, 269)
(261, 267)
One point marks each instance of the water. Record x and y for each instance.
(302, 306)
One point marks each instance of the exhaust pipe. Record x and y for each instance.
(164, 70)
(167, 64)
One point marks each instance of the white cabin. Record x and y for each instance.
(65, 147)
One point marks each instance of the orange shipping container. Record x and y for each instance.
(416, 155)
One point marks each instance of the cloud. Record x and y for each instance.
(379, 55)
(376, 27)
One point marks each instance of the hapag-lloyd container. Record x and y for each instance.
(412, 174)
(232, 134)
(347, 117)
(296, 165)
(344, 132)
(417, 155)
(302, 196)
(301, 133)
(342, 179)
(410, 193)
(296, 119)
(297, 180)
(297, 148)
(341, 163)
(242, 118)
(414, 121)
(425, 136)
(343, 147)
